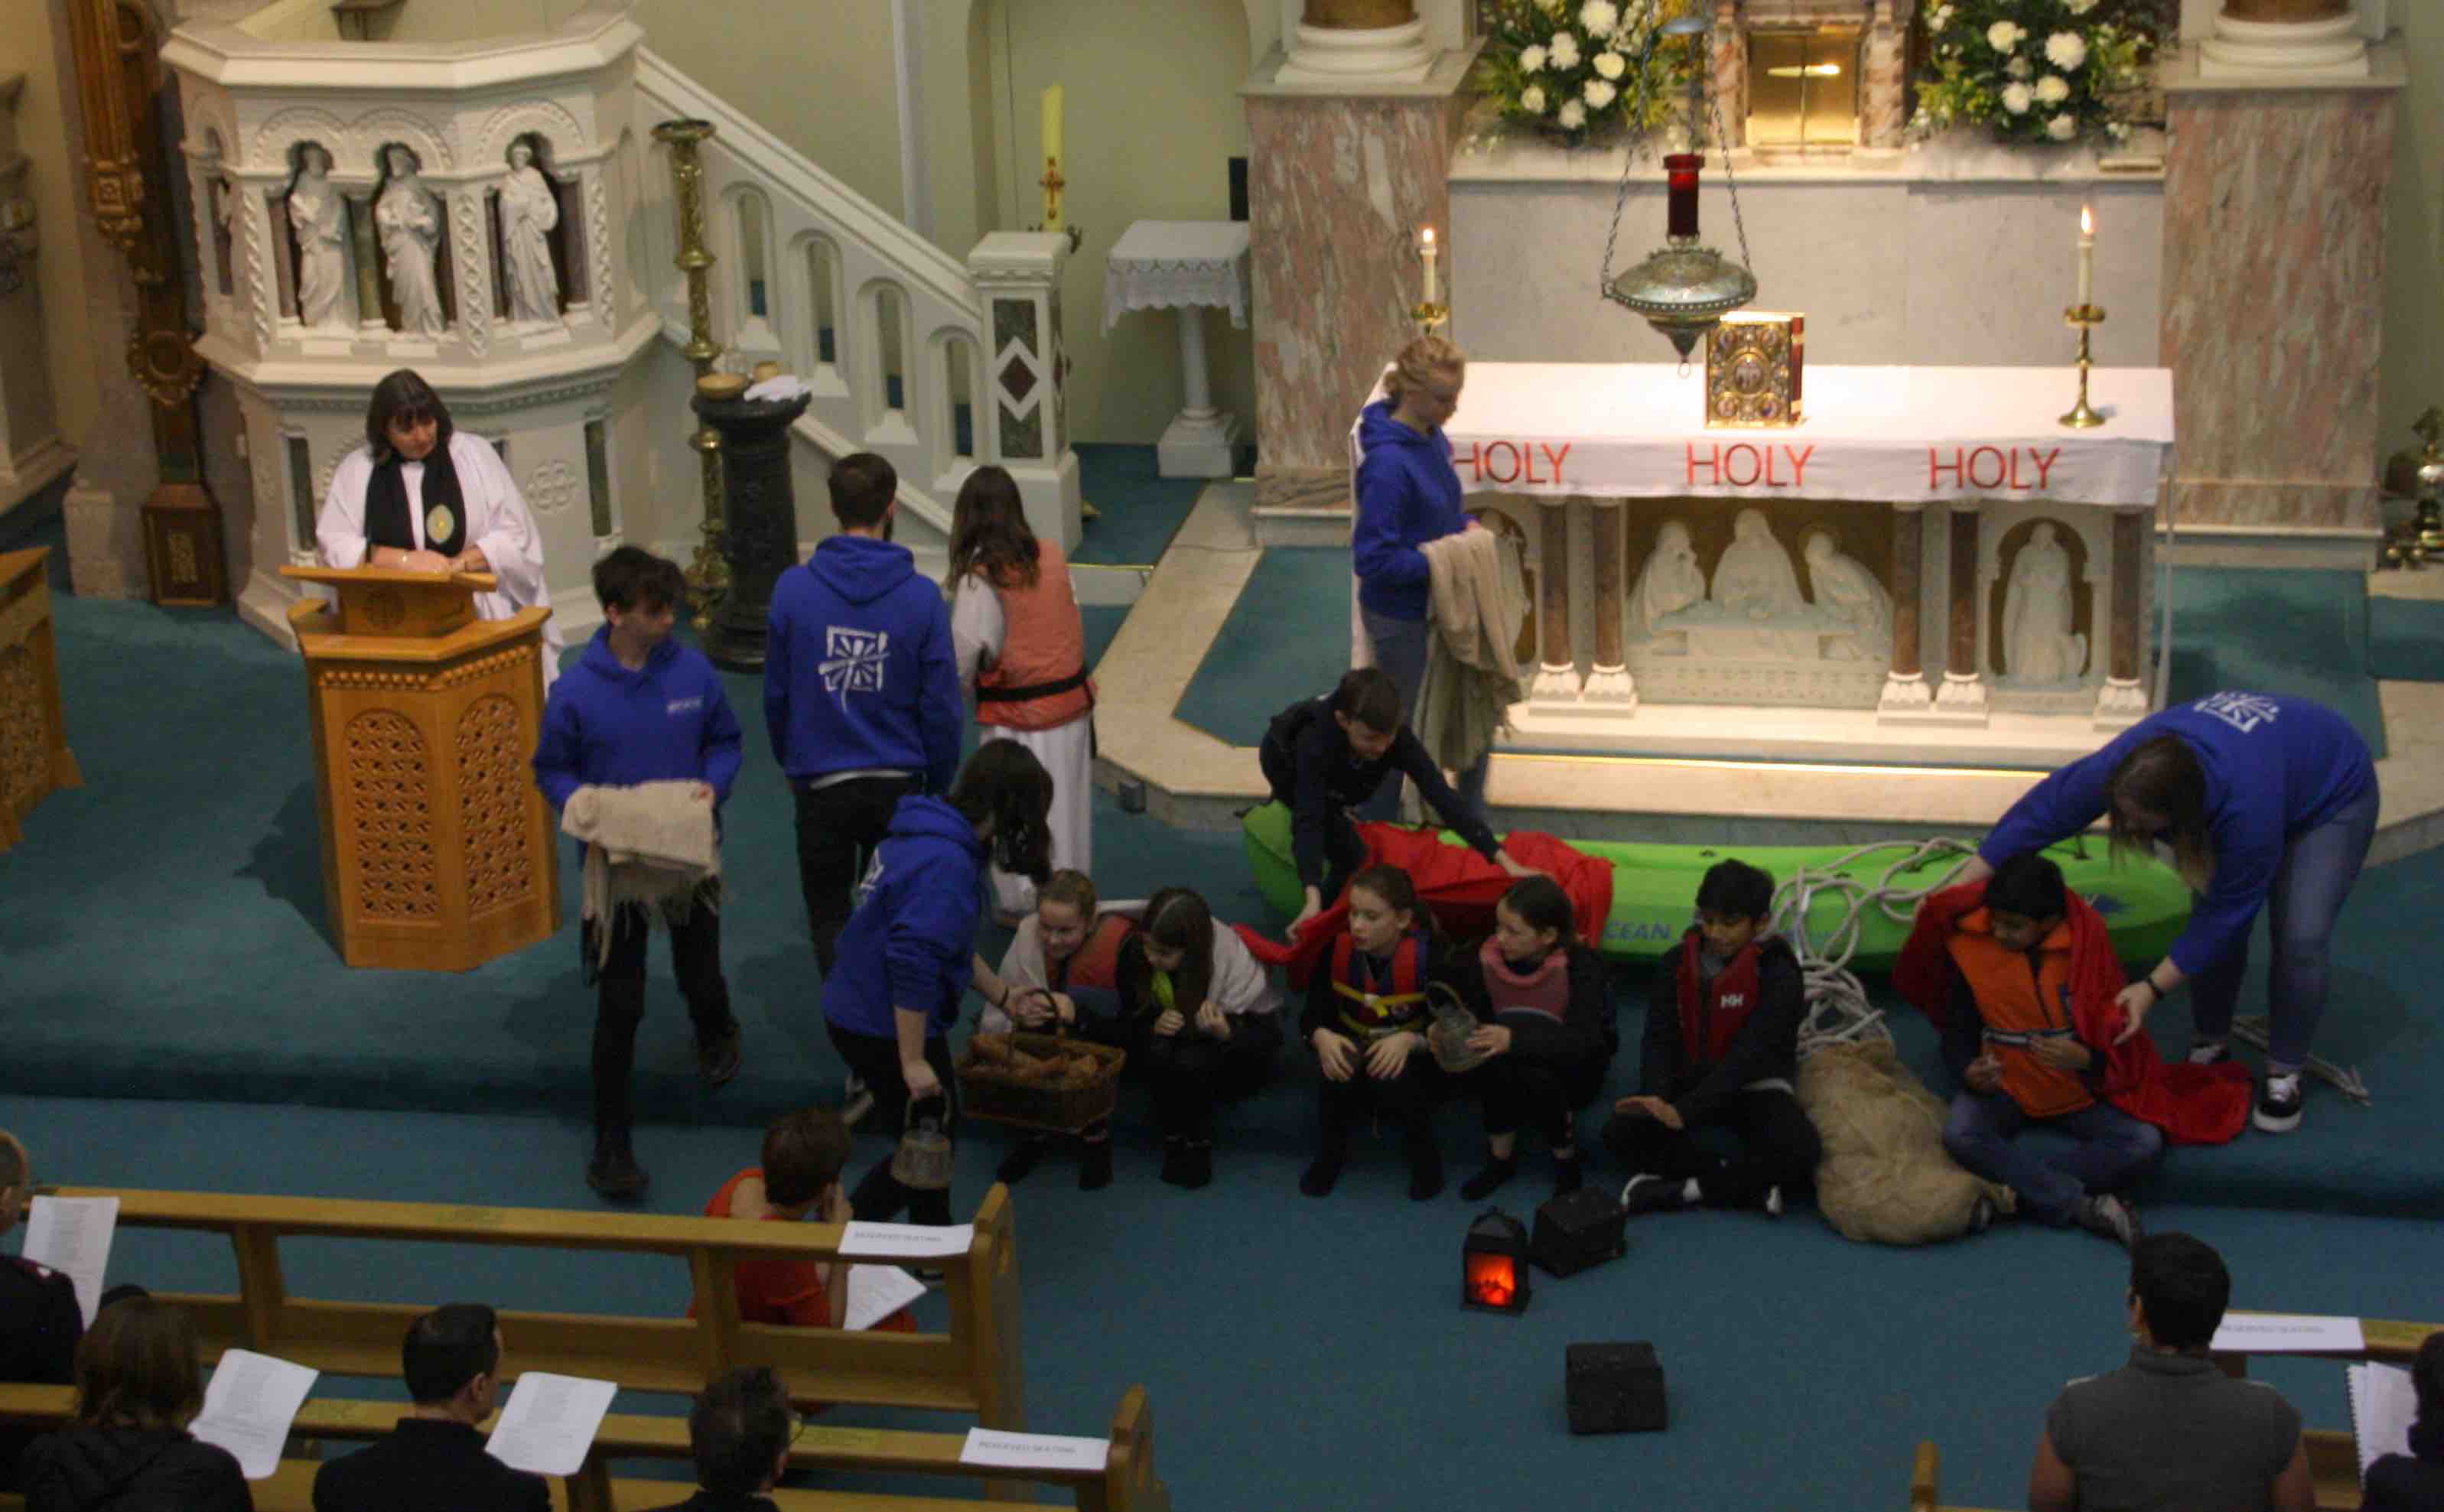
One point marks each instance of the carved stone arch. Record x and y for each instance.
(554, 123)
(824, 284)
(746, 263)
(955, 348)
(277, 140)
(376, 129)
(1501, 519)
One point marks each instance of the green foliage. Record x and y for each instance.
(1613, 71)
(2033, 70)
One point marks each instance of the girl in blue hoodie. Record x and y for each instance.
(1408, 494)
(2266, 803)
(905, 956)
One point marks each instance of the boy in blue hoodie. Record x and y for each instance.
(860, 691)
(639, 706)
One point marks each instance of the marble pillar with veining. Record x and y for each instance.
(1337, 189)
(2273, 301)
(1884, 112)
(1731, 65)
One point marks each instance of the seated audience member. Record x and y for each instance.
(40, 1323)
(1063, 954)
(1366, 1020)
(128, 1450)
(2171, 1430)
(2016, 1043)
(740, 1428)
(435, 1458)
(803, 1154)
(1544, 1005)
(2415, 1481)
(1721, 1047)
(1325, 756)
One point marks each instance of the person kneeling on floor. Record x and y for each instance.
(1721, 1047)
(1062, 969)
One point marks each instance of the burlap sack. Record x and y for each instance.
(1885, 1178)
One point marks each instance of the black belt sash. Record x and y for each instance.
(1019, 695)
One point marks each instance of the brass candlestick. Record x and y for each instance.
(708, 573)
(2082, 415)
(1433, 314)
(2415, 543)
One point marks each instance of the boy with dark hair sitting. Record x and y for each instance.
(1325, 756)
(740, 1428)
(803, 1154)
(436, 1456)
(1721, 1047)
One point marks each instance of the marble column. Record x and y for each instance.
(1608, 680)
(1731, 63)
(1963, 690)
(1557, 672)
(1905, 689)
(1884, 112)
(2122, 700)
(2276, 38)
(1345, 41)
(2273, 285)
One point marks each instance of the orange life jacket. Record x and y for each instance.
(1039, 680)
(1098, 961)
(2024, 996)
(1372, 1015)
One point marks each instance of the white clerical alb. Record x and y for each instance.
(499, 523)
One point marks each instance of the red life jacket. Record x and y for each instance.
(1371, 1015)
(1098, 961)
(1039, 680)
(1712, 1020)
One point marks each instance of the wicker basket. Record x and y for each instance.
(996, 1096)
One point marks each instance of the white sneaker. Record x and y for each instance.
(856, 1102)
(2278, 1106)
(1773, 1202)
(2210, 1052)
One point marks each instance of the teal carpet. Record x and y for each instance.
(2406, 639)
(1139, 510)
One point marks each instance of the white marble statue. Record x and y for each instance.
(529, 211)
(409, 219)
(1671, 580)
(1755, 577)
(1847, 592)
(318, 213)
(2038, 646)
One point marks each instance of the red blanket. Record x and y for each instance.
(1457, 886)
(2193, 1105)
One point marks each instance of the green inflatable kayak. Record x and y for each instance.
(1653, 888)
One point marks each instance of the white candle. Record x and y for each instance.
(2086, 254)
(1426, 251)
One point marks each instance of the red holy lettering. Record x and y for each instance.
(1511, 477)
(1799, 465)
(1470, 461)
(2044, 463)
(1555, 458)
(1975, 481)
(1731, 460)
(1742, 465)
(1990, 468)
(1712, 464)
(1483, 460)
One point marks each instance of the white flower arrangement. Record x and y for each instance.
(1597, 93)
(1564, 50)
(1598, 18)
(1531, 100)
(1531, 59)
(1574, 67)
(2032, 70)
(1572, 116)
(1611, 65)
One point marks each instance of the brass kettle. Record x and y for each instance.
(922, 1162)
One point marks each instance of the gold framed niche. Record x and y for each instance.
(1804, 86)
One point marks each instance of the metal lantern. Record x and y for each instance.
(1494, 1264)
(1684, 287)
(2421, 540)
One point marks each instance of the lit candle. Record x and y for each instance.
(2086, 254)
(1052, 215)
(1426, 251)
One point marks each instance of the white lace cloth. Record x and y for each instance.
(1166, 264)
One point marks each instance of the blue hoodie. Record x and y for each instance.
(858, 670)
(606, 725)
(1408, 494)
(910, 943)
(2274, 767)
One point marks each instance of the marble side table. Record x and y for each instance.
(1186, 266)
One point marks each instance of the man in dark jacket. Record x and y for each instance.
(40, 1323)
(1721, 1047)
(860, 692)
(435, 1457)
(740, 1429)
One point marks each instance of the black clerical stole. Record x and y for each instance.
(444, 506)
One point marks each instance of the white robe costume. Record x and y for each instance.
(1067, 750)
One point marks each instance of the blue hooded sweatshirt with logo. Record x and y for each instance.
(910, 942)
(1408, 494)
(859, 674)
(610, 726)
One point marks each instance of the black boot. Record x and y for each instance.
(1195, 1165)
(1498, 1168)
(614, 1172)
(1330, 1156)
(1021, 1158)
(1566, 1175)
(1425, 1165)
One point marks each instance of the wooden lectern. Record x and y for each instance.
(34, 759)
(438, 850)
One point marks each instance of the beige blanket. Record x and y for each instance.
(1477, 604)
(652, 844)
(1885, 1178)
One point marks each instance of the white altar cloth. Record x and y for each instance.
(1170, 263)
(1886, 434)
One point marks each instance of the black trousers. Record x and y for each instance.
(839, 826)
(1343, 852)
(1407, 1102)
(1192, 1074)
(1778, 1148)
(1540, 1095)
(875, 1061)
(620, 1001)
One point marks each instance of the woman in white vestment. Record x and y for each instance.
(1670, 582)
(420, 496)
(1755, 577)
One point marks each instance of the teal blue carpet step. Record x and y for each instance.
(2406, 639)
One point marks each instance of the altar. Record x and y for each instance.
(1930, 567)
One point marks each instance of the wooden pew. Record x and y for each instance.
(2333, 1463)
(1127, 1484)
(2333, 1455)
(974, 1367)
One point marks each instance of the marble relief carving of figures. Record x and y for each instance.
(1671, 580)
(409, 219)
(1847, 592)
(2038, 645)
(1755, 577)
(318, 213)
(529, 212)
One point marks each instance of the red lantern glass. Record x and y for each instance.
(1492, 1280)
(1494, 1264)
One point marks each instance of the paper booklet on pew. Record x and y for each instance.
(1036, 1451)
(249, 1407)
(905, 1241)
(72, 1236)
(550, 1423)
(2383, 1404)
(2288, 1334)
(876, 1292)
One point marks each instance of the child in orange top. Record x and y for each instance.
(804, 1152)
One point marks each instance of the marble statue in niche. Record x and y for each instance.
(409, 219)
(2038, 644)
(318, 215)
(1850, 594)
(529, 210)
(1670, 582)
(229, 204)
(1755, 577)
